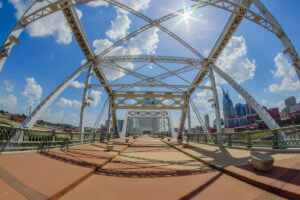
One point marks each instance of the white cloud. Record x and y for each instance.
(9, 103)
(96, 95)
(63, 102)
(279, 104)
(51, 25)
(145, 43)
(135, 5)
(233, 61)
(240, 96)
(119, 27)
(60, 117)
(33, 91)
(76, 104)
(1, 5)
(9, 86)
(201, 101)
(287, 73)
(83, 61)
(20, 6)
(263, 101)
(77, 84)
(97, 3)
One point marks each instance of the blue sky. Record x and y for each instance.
(48, 53)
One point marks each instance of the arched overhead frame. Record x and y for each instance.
(239, 8)
(40, 109)
(155, 114)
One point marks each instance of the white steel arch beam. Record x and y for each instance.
(151, 24)
(151, 85)
(262, 113)
(98, 120)
(33, 117)
(117, 67)
(12, 38)
(151, 59)
(145, 79)
(84, 102)
(174, 74)
(228, 31)
(216, 105)
(200, 120)
(289, 47)
(227, 5)
(160, 77)
(79, 33)
(161, 114)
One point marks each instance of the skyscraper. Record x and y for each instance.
(291, 101)
(206, 120)
(248, 109)
(239, 110)
(228, 109)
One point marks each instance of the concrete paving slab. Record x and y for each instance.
(41, 174)
(237, 163)
(86, 156)
(124, 178)
(8, 193)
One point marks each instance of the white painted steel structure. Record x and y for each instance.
(139, 114)
(239, 10)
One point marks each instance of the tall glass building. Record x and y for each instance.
(228, 109)
(239, 110)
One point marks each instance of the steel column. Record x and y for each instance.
(84, 102)
(216, 105)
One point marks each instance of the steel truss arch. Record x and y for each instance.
(165, 114)
(33, 117)
(262, 113)
(268, 22)
(238, 8)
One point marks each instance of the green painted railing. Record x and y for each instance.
(45, 139)
(286, 137)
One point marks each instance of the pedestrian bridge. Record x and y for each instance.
(147, 167)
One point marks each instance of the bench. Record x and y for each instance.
(261, 162)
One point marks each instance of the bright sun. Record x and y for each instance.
(186, 15)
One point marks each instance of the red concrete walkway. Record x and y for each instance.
(148, 169)
(284, 179)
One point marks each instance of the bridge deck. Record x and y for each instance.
(147, 169)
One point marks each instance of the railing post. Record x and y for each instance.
(275, 140)
(205, 138)
(249, 140)
(53, 135)
(216, 138)
(229, 140)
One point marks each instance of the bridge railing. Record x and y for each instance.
(286, 137)
(45, 139)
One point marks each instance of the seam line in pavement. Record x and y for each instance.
(20, 187)
(81, 180)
